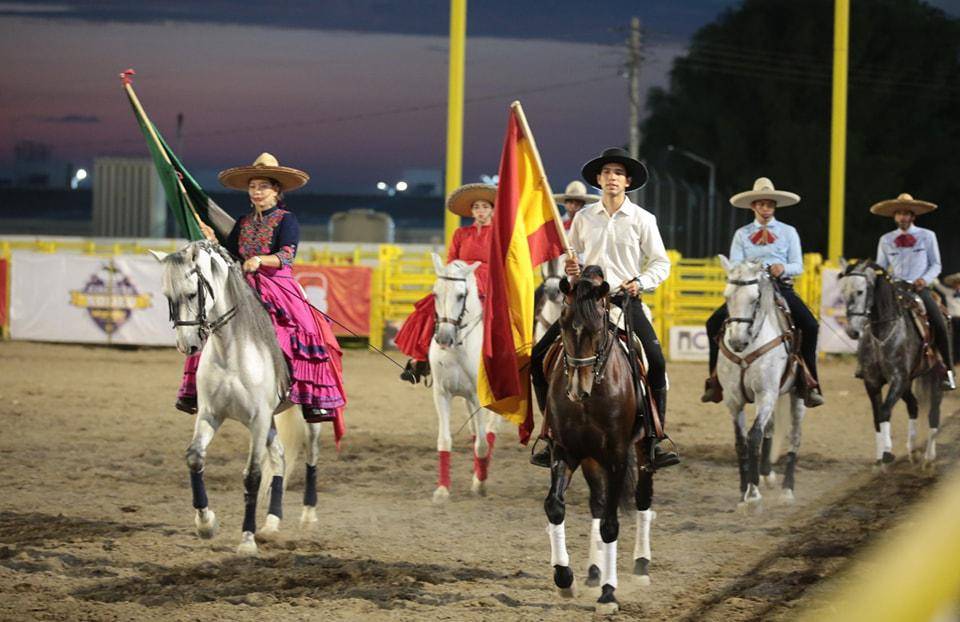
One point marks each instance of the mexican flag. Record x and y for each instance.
(184, 195)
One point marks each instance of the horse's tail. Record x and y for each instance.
(628, 494)
(291, 432)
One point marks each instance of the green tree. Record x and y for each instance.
(753, 93)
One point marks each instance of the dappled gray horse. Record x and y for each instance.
(757, 366)
(242, 376)
(890, 352)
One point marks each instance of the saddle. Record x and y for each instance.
(910, 301)
(640, 383)
(789, 337)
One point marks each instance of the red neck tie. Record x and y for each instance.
(763, 236)
(905, 240)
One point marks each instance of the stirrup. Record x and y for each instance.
(949, 382)
(712, 391)
(663, 458)
(409, 373)
(544, 457)
(813, 398)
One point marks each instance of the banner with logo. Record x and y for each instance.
(78, 298)
(342, 292)
(833, 316)
(689, 343)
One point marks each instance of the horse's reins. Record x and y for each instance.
(458, 322)
(203, 326)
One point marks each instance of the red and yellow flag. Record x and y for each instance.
(525, 234)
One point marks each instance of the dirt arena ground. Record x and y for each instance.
(96, 523)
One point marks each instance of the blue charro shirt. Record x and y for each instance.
(922, 260)
(785, 249)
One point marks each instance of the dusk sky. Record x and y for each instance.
(351, 91)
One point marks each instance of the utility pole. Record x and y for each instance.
(634, 59)
(458, 51)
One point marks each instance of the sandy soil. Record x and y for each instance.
(96, 523)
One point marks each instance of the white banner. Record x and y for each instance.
(689, 343)
(78, 298)
(833, 316)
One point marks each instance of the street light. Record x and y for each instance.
(711, 186)
(400, 186)
(78, 176)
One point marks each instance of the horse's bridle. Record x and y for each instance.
(598, 360)
(204, 327)
(868, 301)
(458, 322)
(756, 306)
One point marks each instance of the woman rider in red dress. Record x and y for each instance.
(470, 243)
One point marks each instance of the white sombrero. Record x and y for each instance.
(463, 198)
(951, 280)
(265, 166)
(904, 202)
(576, 191)
(763, 190)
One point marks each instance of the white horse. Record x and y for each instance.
(754, 368)
(454, 362)
(550, 300)
(242, 376)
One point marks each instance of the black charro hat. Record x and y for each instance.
(636, 171)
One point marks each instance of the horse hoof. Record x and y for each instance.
(248, 545)
(206, 522)
(308, 517)
(441, 495)
(888, 458)
(270, 529)
(751, 507)
(770, 480)
(563, 579)
(479, 487)
(641, 571)
(593, 576)
(787, 497)
(607, 604)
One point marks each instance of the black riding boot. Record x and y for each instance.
(543, 457)
(662, 458)
(415, 371)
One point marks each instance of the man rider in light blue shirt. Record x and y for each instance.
(777, 246)
(911, 254)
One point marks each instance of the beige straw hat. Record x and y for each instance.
(763, 190)
(904, 202)
(265, 166)
(951, 280)
(576, 191)
(463, 198)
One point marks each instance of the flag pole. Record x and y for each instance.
(126, 78)
(558, 223)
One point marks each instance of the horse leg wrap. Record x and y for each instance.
(788, 470)
(642, 547)
(608, 571)
(251, 485)
(595, 555)
(443, 469)
(199, 490)
(276, 496)
(558, 545)
(481, 465)
(310, 486)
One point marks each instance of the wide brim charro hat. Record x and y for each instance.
(265, 166)
(763, 190)
(576, 191)
(636, 171)
(902, 203)
(462, 199)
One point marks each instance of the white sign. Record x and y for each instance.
(689, 343)
(77, 298)
(833, 316)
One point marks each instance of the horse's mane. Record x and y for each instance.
(585, 308)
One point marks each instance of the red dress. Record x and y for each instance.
(469, 244)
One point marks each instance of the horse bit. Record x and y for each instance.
(205, 328)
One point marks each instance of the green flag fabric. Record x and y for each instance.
(178, 201)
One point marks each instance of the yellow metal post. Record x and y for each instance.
(838, 127)
(458, 42)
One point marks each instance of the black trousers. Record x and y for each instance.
(805, 322)
(956, 337)
(656, 365)
(938, 325)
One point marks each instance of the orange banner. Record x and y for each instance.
(341, 292)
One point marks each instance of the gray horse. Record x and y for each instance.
(242, 376)
(890, 352)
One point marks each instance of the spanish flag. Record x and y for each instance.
(525, 234)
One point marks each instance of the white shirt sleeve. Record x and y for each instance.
(573, 235)
(933, 258)
(882, 260)
(657, 267)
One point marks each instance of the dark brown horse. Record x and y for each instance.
(592, 402)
